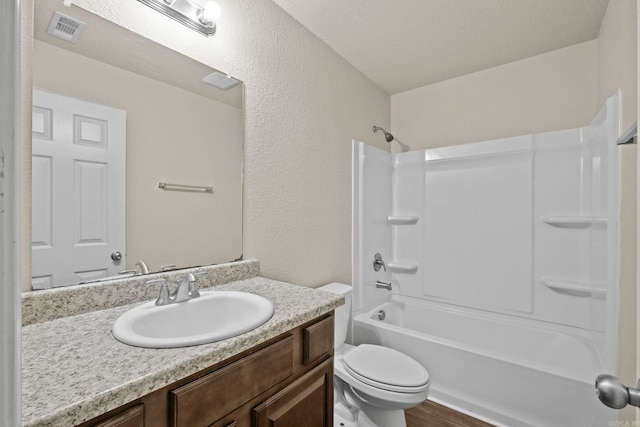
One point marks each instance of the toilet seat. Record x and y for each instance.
(386, 369)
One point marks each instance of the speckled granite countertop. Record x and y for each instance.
(74, 370)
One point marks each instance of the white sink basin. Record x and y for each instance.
(214, 316)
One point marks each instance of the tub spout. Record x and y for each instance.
(383, 285)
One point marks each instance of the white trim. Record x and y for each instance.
(10, 303)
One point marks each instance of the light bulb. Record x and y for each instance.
(210, 12)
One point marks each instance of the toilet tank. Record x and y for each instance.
(342, 313)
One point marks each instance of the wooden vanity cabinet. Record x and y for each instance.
(132, 417)
(307, 402)
(286, 381)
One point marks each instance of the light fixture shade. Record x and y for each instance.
(211, 11)
(185, 12)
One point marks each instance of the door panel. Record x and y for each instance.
(78, 215)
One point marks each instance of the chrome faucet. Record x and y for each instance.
(144, 269)
(185, 290)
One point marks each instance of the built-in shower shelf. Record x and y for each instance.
(403, 219)
(401, 267)
(579, 288)
(573, 221)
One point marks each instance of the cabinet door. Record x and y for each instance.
(308, 402)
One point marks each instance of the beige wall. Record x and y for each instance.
(617, 70)
(303, 106)
(552, 91)
(617, 53)
(198, 143)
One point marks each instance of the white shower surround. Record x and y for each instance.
(509, 249)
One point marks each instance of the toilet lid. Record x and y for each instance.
(386, 368)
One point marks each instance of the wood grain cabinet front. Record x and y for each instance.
(287, 381)
(207, 399)
(132, 417)
(308, 402)
(317, 340)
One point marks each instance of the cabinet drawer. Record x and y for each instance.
(132, 417)
(205, 400)
(317, 340)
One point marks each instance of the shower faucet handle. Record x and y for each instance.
(378, 262)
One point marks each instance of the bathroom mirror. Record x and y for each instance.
(179, 130)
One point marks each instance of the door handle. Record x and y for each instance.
(616, 395)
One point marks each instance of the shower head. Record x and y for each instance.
(387, 135)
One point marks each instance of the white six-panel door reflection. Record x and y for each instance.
(78, 181)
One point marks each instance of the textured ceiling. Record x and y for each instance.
(404, 44)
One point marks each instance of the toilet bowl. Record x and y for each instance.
(373, 385)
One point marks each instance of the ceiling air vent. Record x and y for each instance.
(65, 27)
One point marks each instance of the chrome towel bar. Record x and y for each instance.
(168, 186)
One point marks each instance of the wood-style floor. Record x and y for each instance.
(430, 414)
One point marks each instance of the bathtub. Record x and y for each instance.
(501, 369)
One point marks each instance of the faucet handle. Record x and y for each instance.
(378, 262)
(163, 298)
(193, 284)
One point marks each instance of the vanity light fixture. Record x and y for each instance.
(189, 13)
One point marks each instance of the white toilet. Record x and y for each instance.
(373, 385)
